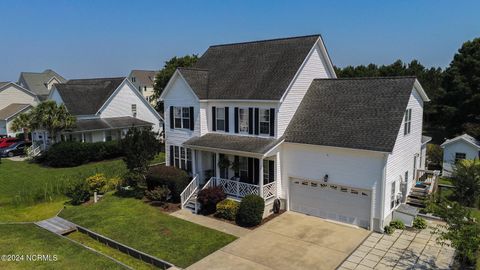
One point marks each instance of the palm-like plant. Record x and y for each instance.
(466, 179)
(51, 117)
(22, 123)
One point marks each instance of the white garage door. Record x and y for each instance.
(330, 201)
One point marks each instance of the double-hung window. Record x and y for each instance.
(408, 122)
(183, 158)
(220, 115)
(243, 120)
(392, 195)
(460, 156)
(264, 121)
(181, 117)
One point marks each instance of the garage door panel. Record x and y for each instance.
(330, 201)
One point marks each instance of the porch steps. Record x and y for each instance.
(192, 203)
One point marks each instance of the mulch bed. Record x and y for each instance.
(166, 207)
(265, 220)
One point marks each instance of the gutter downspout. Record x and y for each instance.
(383, 183)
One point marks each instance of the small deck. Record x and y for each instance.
(426, 183)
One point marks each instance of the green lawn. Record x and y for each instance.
(114, 253)
(28, 239)
(31, 192)
(158, 158)
(135, 223)
(445, 181)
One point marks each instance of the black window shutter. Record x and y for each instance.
(172, 124)
(257, 121)
(214, 119)
(250, 120)
(250, 170)
(237, 161)
(272, 122)
(227, 122)
(171, 156)
(256, 172)
(236, 119)
(192, 119)
(271, 171)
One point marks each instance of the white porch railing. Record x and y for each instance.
(189, 190)
(270, 190)
(236, 188)
(34, 150)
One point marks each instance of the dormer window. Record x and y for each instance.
(133, 79)
(408, 122)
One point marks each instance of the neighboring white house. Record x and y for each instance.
(460, 147)
(105, 108)
(143, 80)
(341, 149)
(40, 83)
(14, 100)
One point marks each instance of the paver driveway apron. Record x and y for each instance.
(290, 241)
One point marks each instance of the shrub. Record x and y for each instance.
(70, 154)
(175, 179)
(397, 224)
(134, 179)
(389, 230)
(227, 209)
(78, 193)
(112, 184)
(158, 194)
(208, 199)
(96, 182)
(419, 223)
(250, 212)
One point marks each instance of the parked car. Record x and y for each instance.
(6, 142)
(15, 149)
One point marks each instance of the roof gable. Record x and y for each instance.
(258, 70)
(359, 113)
(144, 77)
(87, 96)
(37, 82)
(464, 137)
(12, 110)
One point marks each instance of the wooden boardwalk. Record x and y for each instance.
(57, 225)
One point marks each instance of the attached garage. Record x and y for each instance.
(330, 201)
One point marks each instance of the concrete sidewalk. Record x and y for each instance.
(211, 223)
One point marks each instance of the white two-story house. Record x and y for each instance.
(104, 108)
(271, 118)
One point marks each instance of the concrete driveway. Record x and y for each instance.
(290, 241)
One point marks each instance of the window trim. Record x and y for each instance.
(182, 118)
(260, 121)
(457, 159)
(217, 118)
(407, 126)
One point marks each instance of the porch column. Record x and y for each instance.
(260, 178)
(217, 170)
(83, 137)
(194, 160)
(104, 135)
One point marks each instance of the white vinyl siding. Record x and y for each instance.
(314, 68)
(405, 149)
(450, 156)
(13, 94)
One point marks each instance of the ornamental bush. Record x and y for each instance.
(175, 179)
(209, 198)
(397, 224)
(250, 212)
(160, 193)
(419, 223)
(78, 193)
(70, 154)
(389, 230)
(96, 182)
(227, 209)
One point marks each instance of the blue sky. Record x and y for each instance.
(82, 39)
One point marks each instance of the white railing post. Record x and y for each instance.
(260, 179)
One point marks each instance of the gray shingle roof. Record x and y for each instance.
(359, 113)
(36, 81)
(248, 144)
(109, 123)
(3, 83)
(465, 137)
(86, 96)
(426, 139)
(259, 70)
(12, 109)
(144, 77)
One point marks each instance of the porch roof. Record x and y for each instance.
(236, 143)
(109, 123)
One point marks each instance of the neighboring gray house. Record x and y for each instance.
(460, 147)
(40, 83)
(143, 80)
